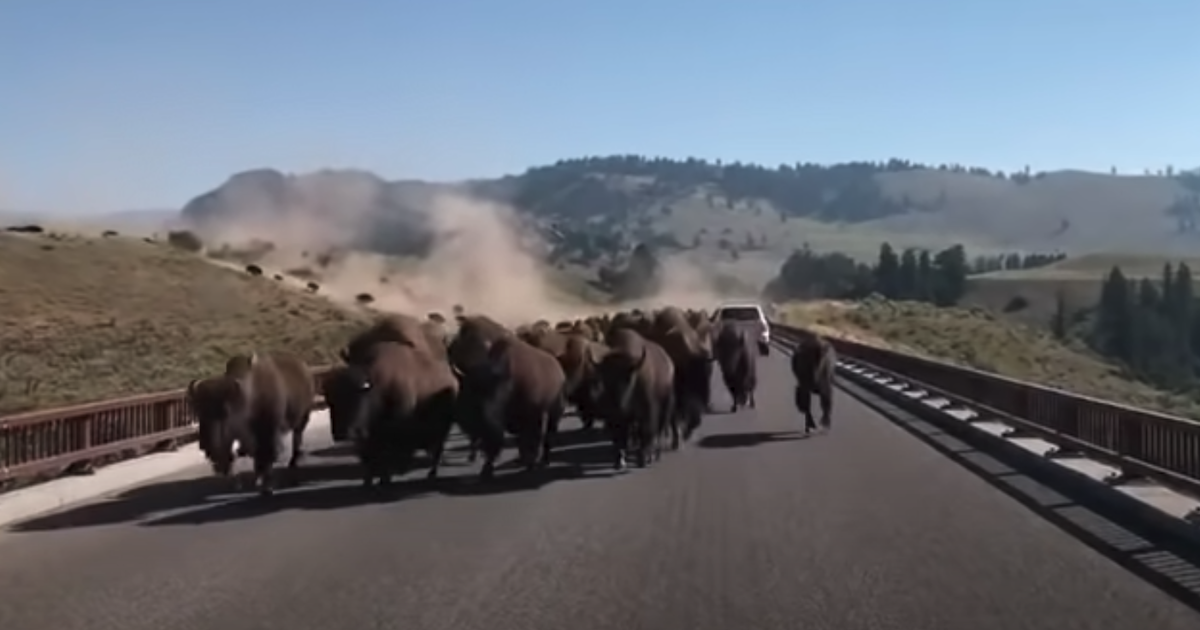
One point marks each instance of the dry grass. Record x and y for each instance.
(982, 340)
(1040, 296)
(1079, 280)
(87, 319)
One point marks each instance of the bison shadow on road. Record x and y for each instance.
(144, 501)
(582, 462)
(337, 450)
(327, 484)
(753, 438)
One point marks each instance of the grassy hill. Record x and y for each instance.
(1077, 279)
(89, 318)
(739, 221)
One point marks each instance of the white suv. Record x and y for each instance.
(752, 314)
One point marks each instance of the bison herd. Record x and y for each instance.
(406, 382)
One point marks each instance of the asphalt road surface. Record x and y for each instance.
(750, 528)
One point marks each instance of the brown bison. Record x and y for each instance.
(402, 329)
(637, 395)
(335, 382)
(669, 318)
(693, 374)
(437, 337)
(583, 386)
(630, 320)
(260, 398)
(814, 364)
(476, 334)
(547, 340)
(516, 389)
(589, 328)
(399, 400)
(737, 355)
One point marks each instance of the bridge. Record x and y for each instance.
(891, 520)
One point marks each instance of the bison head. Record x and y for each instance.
(220, 405)
(347, 392)
(616, 375)
(485, 390)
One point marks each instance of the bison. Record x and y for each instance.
(582, 387)
(476, 334)
(546, 339)
(693, 375)
(637, 395)
(737, 355)
(400, 399)
(814, 364)
(517, 389)
(258, 399)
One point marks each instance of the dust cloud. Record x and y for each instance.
(480, 257)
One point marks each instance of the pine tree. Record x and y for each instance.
(1058, 322)
(1115, 317)
(908, 278)
(887, 272)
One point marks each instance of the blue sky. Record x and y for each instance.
(117, 104)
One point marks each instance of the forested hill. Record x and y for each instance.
(594, 206)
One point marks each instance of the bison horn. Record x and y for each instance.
(191, 388)
(641, 360)
(344, 354)
(253, 358)
(457, 372)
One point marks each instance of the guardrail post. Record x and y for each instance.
(162, 424)
(88, 424)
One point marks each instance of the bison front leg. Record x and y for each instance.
(442, 417)
(674, 423)
(370, 459)
(619, 434)
(826, 408)
(437, 451)
(529, 444)
(297, 449)
(553, 418)
(488, 438)
(264, 477)
(804, 404)
(293, 464)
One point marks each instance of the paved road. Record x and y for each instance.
(751, 528)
